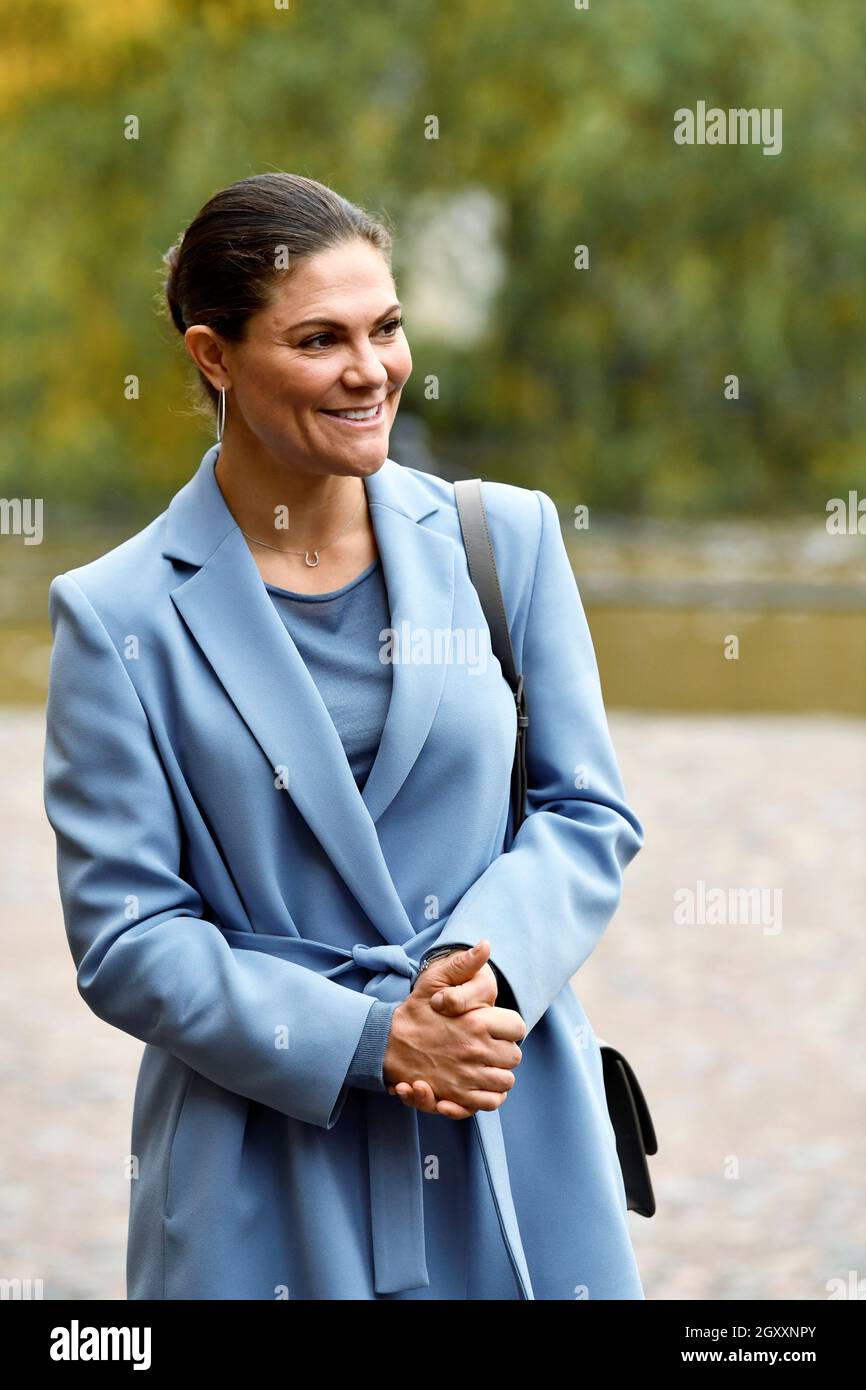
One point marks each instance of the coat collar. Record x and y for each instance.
(229, 612)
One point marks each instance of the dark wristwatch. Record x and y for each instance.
(435, 952)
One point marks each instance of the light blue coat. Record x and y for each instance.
(233, 900)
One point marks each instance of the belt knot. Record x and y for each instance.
(392, 970)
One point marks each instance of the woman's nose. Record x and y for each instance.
(366, 368)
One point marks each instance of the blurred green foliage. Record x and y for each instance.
(603, 385)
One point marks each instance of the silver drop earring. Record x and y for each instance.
(221, 414)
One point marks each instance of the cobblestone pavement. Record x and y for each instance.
(748, 1040)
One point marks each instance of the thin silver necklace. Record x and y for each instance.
(285, 550)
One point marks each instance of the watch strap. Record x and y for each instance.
(435, 952)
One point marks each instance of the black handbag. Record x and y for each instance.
(629, 1112)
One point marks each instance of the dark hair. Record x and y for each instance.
(225, 267)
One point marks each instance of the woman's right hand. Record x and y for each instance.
(467, 1059)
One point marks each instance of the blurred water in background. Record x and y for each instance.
(661, 598)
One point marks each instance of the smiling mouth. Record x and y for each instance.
(358, 415)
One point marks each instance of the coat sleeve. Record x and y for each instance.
(545, 902)
(147, 960)
(368, 1063)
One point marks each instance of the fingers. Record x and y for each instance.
(452, 1111)
(505, 1055)
(479, 1100)
(419, 1095)
(455, 969)
(505, 1024)
(453, 1000)
(493, 1034)
(495, 1072)
(476, 993)
(449, 1108)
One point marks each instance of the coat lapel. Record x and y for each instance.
(230, 614)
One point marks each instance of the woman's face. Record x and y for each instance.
(330, 341)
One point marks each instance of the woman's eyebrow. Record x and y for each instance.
(332, 323)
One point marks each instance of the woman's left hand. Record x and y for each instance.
(478, 993)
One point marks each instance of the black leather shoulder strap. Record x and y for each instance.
(482, 571)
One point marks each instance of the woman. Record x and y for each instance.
(274, 790)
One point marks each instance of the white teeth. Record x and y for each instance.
(355, 414)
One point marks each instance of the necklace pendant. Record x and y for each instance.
(308, 561)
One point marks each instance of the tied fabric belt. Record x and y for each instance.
(396, 1178)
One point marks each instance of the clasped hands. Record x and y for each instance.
(450, 1030)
